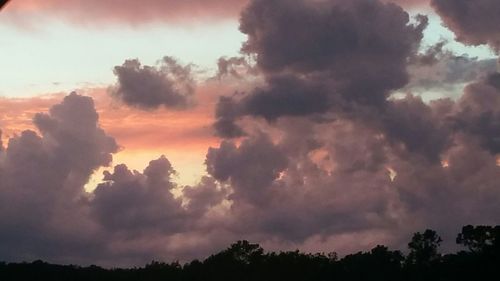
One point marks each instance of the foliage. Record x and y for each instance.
(244, 261)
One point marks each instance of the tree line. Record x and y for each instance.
(244, 261)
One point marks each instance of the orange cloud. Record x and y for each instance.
(183, 136)
(16, 114)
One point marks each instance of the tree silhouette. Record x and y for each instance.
(480, 238)
(424, 248)
(244, 261)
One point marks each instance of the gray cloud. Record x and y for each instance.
(250, 167)
(226, 113)
(130, 218)
(130, 201)
(342, 60)
(235, 67)
(338, 174)
(42, 199)
(479, 114)
(202, 197)
(148, 87)
(474, 22)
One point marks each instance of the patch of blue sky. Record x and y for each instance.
(58, 57)
(436, 32)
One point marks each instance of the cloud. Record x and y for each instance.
(448, 73)
(479, 113)
(169, 84)
(361, 160)
(129, 201)
(129, 11)
(235, 67)
(41, 190)
(295, 183)
(335, 39)
(47, 213)
(94, 12)
(474, 22)
(334, 178)
(244, 166)
(346, 68)
(421, 128)
(348, 54)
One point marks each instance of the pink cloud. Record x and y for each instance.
(131, 11)
(93, 12)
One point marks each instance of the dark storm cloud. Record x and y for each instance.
(352, 41)
(203, 196)
(379, 163)
(479, 112)
(42, 178)
(236, 67)
(130, 201)
(131, 217)
(474, 22)
(226, 113)
(282, 96)
(337, 176)
(318, 56)
(169, 84)
(285, 96)
(250, 167)
(333, 177)
(415, 124)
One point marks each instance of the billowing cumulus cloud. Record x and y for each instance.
(47, 213)
(479, 113)
(335, 40)
(130, 201)
(347, 177)
(251, 167)
(169, 84)
(474, 22)
(42, 179)
(348, 54)
(327, 106)
(346, 68)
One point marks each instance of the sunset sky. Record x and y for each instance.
(163, 129)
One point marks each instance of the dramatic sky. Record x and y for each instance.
(163, 129)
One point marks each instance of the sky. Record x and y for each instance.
(162, 129)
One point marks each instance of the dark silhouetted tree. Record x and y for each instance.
(244, 261)
(480, 238)
(424, 248)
